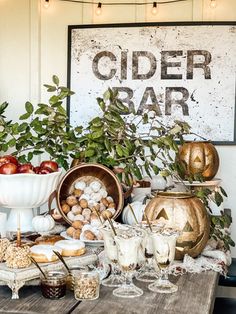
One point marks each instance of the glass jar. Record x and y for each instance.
(70, 277)
(86, 285)
(54, 285)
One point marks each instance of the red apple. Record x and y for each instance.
(8, 158)
(37, 169)
(25, 168)
(49, 164)
(8, 168)
(45, 170)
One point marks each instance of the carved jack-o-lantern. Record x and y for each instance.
(198, 158)
(185, 212)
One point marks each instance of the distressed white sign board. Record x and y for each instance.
(186, 72)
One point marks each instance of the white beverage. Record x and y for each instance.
(164, 247)
(128, 251)
(109, 244)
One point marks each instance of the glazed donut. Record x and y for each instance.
(71, 247)
(48, 240)
(44, 253)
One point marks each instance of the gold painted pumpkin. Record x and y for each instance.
(185, 212)
(198, 158)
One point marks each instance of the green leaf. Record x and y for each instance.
(24, 116)
(38, 152)
(101, 104)
(97, 134)
(223, 191)
(4, 147)
(107, 144)
(218, 198)
(12, 142)
(53, 100)
(107, 95)
(22, 159)
(137, 172)
(176, 129)
(55, 80)
(89, 152)
(3, 106)
(164, 173)
(146, 167)
(30, 156)
(22, 127)
(145, 118)
(133, 127)
(62, 110)
(119, 150)
(155, 169)
(29, 107)
(125, 151)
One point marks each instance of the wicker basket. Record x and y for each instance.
(89, 172)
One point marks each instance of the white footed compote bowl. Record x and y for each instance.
(22, 192)
(164, 244)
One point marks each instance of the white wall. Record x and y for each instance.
(33, 47)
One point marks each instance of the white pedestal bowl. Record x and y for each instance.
(23, 192)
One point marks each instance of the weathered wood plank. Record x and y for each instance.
(196, 295)
(31, 302)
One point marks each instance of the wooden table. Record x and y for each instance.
(196, 295)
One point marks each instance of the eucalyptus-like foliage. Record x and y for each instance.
(44, 129)
(133, 145)
(120, 138)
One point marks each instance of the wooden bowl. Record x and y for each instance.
(88, 173)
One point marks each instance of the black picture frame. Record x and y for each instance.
(150, 24)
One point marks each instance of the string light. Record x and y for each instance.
(213, 4)
(126, 3)
(154, 8)
(46, 4)
(99, 9)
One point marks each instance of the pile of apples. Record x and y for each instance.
(10, 165)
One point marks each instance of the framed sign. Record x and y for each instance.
(184, 71)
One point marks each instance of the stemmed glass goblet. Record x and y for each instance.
(164, 244)
(127, 258)
(147, 273)
(115, 279)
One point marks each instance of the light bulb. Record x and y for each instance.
(154, 8)
(46, 4)
(99, 9)
(213, 4)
